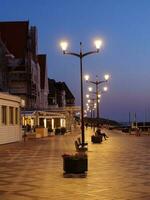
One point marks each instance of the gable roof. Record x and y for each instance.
(63, 86)
(59, 86)
(15, 35)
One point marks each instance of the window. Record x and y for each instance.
(11, 115)
(16, 115)
(4, 115)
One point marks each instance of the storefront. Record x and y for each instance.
(51, 119)
(45, 119)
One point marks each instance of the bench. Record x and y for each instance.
(79, 147)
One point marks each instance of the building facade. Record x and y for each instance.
(10, 128)
(59, 95)
(44, 90)
(23, 72)
(18, 53)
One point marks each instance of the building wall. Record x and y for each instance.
(45, 90)
(36, 78)
(11, 130)
(3, 69)
(43, 81)
(25, 71)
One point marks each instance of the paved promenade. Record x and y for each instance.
(119, 169)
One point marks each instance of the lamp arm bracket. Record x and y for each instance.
(90, 52)
(71, 53)
(99, 82)
(92, 82)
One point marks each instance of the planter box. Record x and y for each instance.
(75, 165)
(41, 131)
(57, 131)
(96, 139)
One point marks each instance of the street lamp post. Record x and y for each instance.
(97, 83)
(81, 55)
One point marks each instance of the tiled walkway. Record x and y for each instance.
(119, 169)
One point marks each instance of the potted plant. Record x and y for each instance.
(63, 130)
(76, 163)
(57, 131)
(50, 130)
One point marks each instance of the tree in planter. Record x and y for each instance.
(63, 130)
(57, 131)
(96, 139)
(76, 164)
(50, 130)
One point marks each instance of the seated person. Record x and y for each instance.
(104, 135)
(99, 133)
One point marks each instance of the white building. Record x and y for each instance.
(10, 128)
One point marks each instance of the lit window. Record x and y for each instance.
(4, 115)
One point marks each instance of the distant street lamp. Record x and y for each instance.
(81, 55)
(91, 105)
(97, 83)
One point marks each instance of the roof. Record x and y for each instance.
(44, 114)
(10, 97)
(69, 94)
(52, 86)
(63, 86)
(57, 87)
(15, 35)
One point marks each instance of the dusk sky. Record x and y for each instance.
(124, 27)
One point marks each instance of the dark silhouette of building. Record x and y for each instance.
(59, 94)
(52, 95)
(24, 73)
(43, 81)
(25, 77)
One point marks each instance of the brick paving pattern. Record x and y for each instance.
(119, 169)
